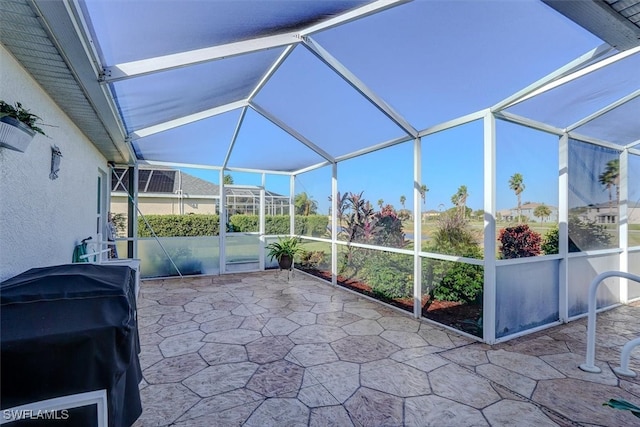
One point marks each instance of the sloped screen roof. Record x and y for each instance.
(285, 85)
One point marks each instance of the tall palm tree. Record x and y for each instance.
(402, 200)
(610, 178)
(305, 205)
(380, 203)
(460, 200)
(516, 183)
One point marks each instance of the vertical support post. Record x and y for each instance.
(223, 223)
(334, 224)
(489, 294)
(132, 214)
(623, 223)
(563, 227)
(292, 210)
(417, 229)
(261, 226)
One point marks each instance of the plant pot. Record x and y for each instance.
(285, 262)
(14, 134)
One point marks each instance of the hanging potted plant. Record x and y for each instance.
(17, 126)
(284, 250)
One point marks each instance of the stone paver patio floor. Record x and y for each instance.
(257, 349)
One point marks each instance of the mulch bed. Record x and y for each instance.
(458, 315)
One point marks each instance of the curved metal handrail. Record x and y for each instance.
(589, 365)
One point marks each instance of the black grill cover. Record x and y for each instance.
(70, 329)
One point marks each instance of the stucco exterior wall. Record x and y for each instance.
(41, 220)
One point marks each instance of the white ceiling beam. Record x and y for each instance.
(234, 137)
(373, 148)
(311, 168)
(478, 115)
(361, 12)
(530, 123)
(579, 73)
(604, 110)
(132, 69)
(632, 145)
(358, 85)
(270, 72)
(161, 127)
(519, 96)
(288, 129)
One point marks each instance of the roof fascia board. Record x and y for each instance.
(580, 73)
(478, 115)
(373, 148)
(276, 121)
(67, 29)
(604, 110)
(167, 195)
(358, 85)
(177, 165)
(161, 127)
(361, 12)
(601, 19)
(519, 96)
(142, 67)
(250, 170)
(234, 137)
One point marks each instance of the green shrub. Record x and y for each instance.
(179, 225)
(244, 223)
(454, 281)
(313, 259)
(519, 242)
(550, 241)
(389, 275)
(311, 225)
(461, 282)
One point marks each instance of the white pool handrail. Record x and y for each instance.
(589, 365)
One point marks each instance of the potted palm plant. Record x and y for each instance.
(284, 250)
(18, 126)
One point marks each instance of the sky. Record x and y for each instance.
(431, 61)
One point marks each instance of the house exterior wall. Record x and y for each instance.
(165, 205)
(41, 220)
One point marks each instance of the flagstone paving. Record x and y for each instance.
(261, 349)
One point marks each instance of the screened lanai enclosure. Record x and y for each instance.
(475, 163)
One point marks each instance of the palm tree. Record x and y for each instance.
(380, 203)
(516, 183)
(460, 200)
(305, 205)
(611, 177)
(228, 179)
(402, 200)
(423, 193)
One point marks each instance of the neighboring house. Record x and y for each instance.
(164, 191)
(430, 214)
(527, 210)
(603, 213)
